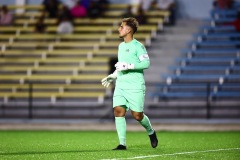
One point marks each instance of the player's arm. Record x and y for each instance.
(123, 66)
(143, 63)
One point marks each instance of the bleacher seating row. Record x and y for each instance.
(62, 69)
(209, 68)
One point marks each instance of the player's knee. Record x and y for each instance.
(138, 117)
(119, 112)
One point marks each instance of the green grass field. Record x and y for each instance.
(85, 145)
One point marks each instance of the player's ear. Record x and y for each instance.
(129, 29)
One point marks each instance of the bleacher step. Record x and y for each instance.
(166, 47)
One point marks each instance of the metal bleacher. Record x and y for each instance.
(62, 70)
(208, 70)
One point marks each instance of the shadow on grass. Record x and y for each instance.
(134, 148)
(144, 148)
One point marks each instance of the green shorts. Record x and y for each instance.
(132, 99)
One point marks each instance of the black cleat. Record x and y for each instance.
(120, 147)
(153, 139)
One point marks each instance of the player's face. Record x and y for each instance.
(123, 30)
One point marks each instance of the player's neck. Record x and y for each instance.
(128, 38)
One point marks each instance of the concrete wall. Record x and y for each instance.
(197, 9)
(6, 2)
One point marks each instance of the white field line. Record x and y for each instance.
(174, 154)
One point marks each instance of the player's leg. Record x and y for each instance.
(136, 102)
(120, 122)
(119, 105)
(145, 122)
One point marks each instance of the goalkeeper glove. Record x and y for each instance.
(109, 79)
(123, 66)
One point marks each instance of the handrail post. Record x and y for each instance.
(30, 109)
(208, 101)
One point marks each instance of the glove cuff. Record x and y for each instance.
(130, 66)
(114, 74)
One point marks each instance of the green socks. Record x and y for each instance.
(147, 125)
(120, 123)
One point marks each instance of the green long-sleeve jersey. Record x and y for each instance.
(135, 53)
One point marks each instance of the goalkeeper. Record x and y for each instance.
(129, 92)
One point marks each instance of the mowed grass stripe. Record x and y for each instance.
(98, 145)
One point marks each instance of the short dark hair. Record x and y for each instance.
(131, 22)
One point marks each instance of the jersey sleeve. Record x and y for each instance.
(144, 61)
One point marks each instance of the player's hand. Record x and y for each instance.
(109, 79)
(123, 66)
